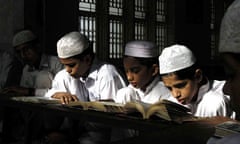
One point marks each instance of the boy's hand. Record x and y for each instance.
(65, 97)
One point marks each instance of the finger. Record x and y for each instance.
(67, 99)
(54, 96)
(75, 98)
(63, 100)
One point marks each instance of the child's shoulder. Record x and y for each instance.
(108, 69)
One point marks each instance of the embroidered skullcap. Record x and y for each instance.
(138, 48)
(72, 44)
(230, 30)
(23, 37)
(174, 58)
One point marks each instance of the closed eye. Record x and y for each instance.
(134, 70)
(180, 85)
(71, 65)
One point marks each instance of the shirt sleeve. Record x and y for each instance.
(107, 83)
(58, 85)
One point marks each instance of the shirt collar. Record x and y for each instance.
(93, 73)
(203, 90)
(149, 87)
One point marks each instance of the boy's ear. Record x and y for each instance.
(155, 68)
(198, 75)
(88, 58)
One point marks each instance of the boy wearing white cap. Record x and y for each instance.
(39, 68)
(100, 80)
(140, 62)
(142, 70)
(229, 48)
(36, 78)
(187, 83)
(86, 79)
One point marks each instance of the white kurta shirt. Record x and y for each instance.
(41, 78)
(64, 82)
(154, 92)
(211, 101)
(102, 83)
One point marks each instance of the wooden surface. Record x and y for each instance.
(152, 131)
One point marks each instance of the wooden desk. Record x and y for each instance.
(154, 131)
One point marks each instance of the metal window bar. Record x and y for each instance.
(87, 26)
(139, 31)
(87, 5)
(160, 11)
(116, 39)
(140, 9)
(116, 7)
(161, 33)
(161, 24)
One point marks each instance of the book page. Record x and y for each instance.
(170, 111)
(104, 106)
(78, 104)
(137, 106)
(227, 128)
(113, 107)
(37, 99)
(160, 111)
(173, 105)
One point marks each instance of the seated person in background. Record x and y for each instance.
(84, 78)
(36, 79)
(229, 48)
(184, 78)
(39, 69)
(140, 62)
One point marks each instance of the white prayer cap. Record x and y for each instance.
(230, 30)
(174, 58)
(139, 48)
(72, 44)
(23, 37)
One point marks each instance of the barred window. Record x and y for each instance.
(122, 27)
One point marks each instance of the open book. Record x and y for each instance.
(37, 99)
(104, 106)
(227, 128)
(164, 109)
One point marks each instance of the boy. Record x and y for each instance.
(86, 79)
(39, 68)
(184, 78)
(140, 62)
(142, 70)
(229, 48)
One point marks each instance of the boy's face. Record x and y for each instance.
(139, 76)
(27, 52)
(75, 67)
(183, 90)
(232, 85)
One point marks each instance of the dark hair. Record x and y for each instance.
(146, 61)
(187, 73)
